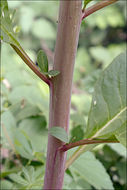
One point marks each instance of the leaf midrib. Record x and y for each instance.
(109, 122)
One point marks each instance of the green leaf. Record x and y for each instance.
(119, 148)
(77, 133)
(121, 134)
(5, 184)
(28, 173)
(53, 73)
(24, 110)
(86, 3)
(42, 61)
(35, 129)
(28, 178)
(108, 109)
(16, 136)
(7, 33)
(91, 170)
(42, 28)
(18, 179)
(59, 133)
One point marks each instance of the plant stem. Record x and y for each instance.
(97, 7)
(30, 64)
(83, 142)
(60, 91)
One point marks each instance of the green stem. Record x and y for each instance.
(96, 7)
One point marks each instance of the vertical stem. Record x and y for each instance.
(60, 91)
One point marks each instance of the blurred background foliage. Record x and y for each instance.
(25, 98)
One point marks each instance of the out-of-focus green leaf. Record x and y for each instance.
(119, 148)
(83, 64)
(75, 183)
(28, 178)
(77, 133)
(42, 61)
(59, 133)
(22, 110)
(18, 179)
(15, 136)
(31, 95)
(27, 14)
(108, 108)
(78, 119)
(110, 16)
(121, 168)
(35, 129)
(43, 29)
(5, 184)
(28, 173)
(6, 173)
(90, 169)
(81, 103)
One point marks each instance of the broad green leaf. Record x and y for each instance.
(59, 133)
(76, 183)
(53, 73)
(108, 109)
(91, 170)
(107, 116)
(42, 61)
(121, 134)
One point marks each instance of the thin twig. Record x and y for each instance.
(84, 142)
(97, 7)
(30, 64)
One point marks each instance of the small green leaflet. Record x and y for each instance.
(53, 73)
(42, 61)
(59, 133)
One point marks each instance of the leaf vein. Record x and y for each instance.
(112, 120)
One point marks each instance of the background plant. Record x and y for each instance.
(23, 93)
